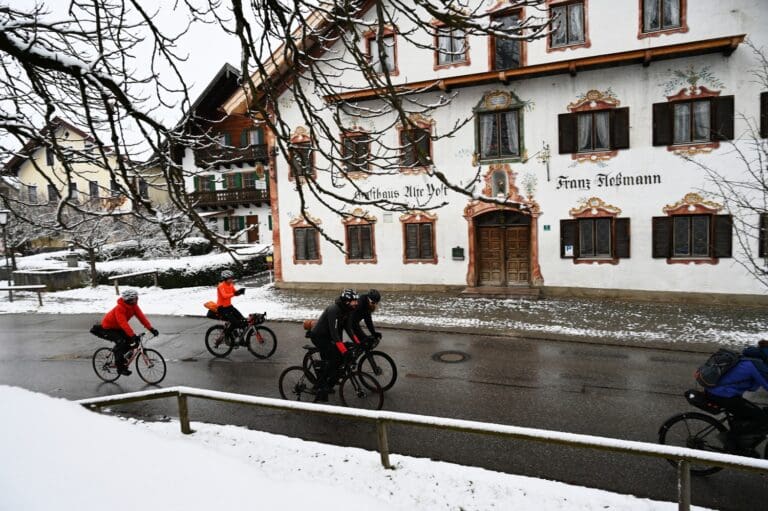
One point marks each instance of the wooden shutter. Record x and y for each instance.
(662, 124)
(411, 241)
(300, 244)
(568, 233)
(244, 138)
(238, 180)
(662, 236)
(620, 128)
(722, 236)
(224, 182)
(226, 224)
(197, 183)
(426, 240)
(227, 139)
(354, 242)
(621, 238)
(241, 222)
(566, 133)
(722, 118)
(764, 114)
(762, 249)
(312, 236)
(366, 244)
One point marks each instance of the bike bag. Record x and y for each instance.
(99, 332)
(699, 399)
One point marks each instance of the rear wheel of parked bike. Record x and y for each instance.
(261, 341)
(361, 390)
(295, 385)
(151, 366)
(216, 342)
(380, 366)
(104, 364)
(695, 431)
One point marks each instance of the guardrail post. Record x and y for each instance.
(184, 414)
(381, 430)
(684, 485)
(155, 279)
(117, 289)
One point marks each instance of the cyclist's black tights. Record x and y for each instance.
(750, 418)
(332, 361)
(232, 316)
(122, 344)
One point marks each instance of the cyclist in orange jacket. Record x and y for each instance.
(117, 329)
(224, 294)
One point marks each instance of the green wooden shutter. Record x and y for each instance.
(238, 178)
(197, 184)
(224, 183)
(226, 224)
(568, 232)
(621, 238)
(244, 138)
(662, 124)
(241, 222)
(722, 236)
(661, 236)
(269, 222)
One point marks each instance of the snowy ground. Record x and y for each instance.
(67, 458)
(607, 320)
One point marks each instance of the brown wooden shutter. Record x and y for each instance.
(411, 241)
(566, 133)
(621, 238)
(662, 236)
(426, 240)
(568, 233)
(662, 124)
(764, 114)
(300, 244)
(722, 236)
(762, 250)
(620, 128)
(366, 242)
(311, 239)
(354, 243)
(722, 118)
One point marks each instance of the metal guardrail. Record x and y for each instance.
(116, 278)
(34, 288)
(683, 456)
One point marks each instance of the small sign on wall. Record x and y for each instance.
(568, 249)
(547, 227)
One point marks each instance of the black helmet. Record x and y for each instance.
(347, 296)
(374, 295)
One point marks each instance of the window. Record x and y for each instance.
(301, 160)
(93, 189)
(53, 193)
(386, 61)
(32, 194)
(73, 191)
(49, 156)
(224, 139)
(356, 149)
(232, 181)
(249, 180)
(143, 189)
(507, 53)
(568, 24)
(205, 183)
(415, 147)
(597, 130)
(233, 224)
(451, 46)
(114, 188)
(419, 242)
(692, 236)
(254, 137)
(306, 244)
(499, 134)
(693, 122)
(595, 238)
(661, 15)
(764, 114)
(360, 242)
(763, 236)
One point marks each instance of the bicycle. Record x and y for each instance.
(260, 340)
(369, 360)
(356, 388)
(150, 364)
(704, 431)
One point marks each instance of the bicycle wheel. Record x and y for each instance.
(295, 385)
(695, 431)
(380, 366)
(151, 366)
(361, 390)
(261, 341)
(216, 341)
(104, 364)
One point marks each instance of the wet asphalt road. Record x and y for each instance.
(620, 392)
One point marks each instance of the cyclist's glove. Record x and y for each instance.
(154, 332)
(240, 291)
(340, 346)
(135, 341)
(377, 335)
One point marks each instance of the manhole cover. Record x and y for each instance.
(450, 357)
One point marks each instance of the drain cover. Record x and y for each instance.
(450, 357)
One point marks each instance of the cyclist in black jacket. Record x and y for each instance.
(366, 304)
(327, 336)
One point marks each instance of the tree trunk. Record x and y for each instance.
(92, 262)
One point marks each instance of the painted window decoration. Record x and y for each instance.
(507, 52)
(451, 47)
(661, 15)
(499, 119)
(359, 230)
(595, 128)
(93, 189)
(762, 250)
(692, 231)
(568, 26)
(306, 243)
(595, 234)
(764, 114)
(416, 143)
(382, 51)
(32, 194)
(419, 237)
(356, 152)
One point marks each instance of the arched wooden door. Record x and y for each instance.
(504, 249)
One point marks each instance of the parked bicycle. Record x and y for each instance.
(357, 389)
(150, 364)
(706, 432)
(260, 340)
(369, 360)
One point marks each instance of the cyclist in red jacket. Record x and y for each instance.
(117, 329)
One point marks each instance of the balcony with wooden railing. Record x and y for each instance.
(232, 197)
(215, 156)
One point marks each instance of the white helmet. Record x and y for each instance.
(129, 295)
(227, 274)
